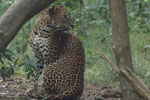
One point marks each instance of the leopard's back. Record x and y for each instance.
(66, 75)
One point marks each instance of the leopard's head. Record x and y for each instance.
(58, 17)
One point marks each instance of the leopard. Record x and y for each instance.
(60, 55)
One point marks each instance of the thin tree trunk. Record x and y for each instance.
(16, 16)
(80, 13)
(121, 45)
(81, 28)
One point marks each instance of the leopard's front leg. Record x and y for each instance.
(40, 66)
(32, 92)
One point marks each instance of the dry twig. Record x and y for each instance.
(133, 80)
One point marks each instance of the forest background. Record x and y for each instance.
(93, 26)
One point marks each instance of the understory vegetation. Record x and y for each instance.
(92, 24)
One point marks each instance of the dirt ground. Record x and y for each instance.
(15, 89)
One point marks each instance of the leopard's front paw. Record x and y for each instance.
(30, 92)
(35, 92)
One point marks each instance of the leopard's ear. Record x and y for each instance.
(52, 10)
(62, 5)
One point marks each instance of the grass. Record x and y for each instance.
(99, 71)
(96, 69)
(140, 55)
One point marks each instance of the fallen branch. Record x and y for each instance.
(131, 78)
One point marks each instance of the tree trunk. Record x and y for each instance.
(80, 12)
(16, 16)
(81, 26)
(121, 45)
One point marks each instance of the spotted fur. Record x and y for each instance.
(60, 54)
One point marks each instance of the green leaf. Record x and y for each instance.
(3, 73)
(24, 48)
(12, 71)
(27, 58)
(1, 61)
(7, 56)
(26, 67)
(81, 37)
(31, 72)
(28, 76)
(15, 62)
(18, 49)
(8, 72)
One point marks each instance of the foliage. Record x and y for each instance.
(92, 24)
(17, 56)
(6, 71)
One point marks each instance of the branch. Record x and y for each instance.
(16, 16)
(131, 78)
(110, 62)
